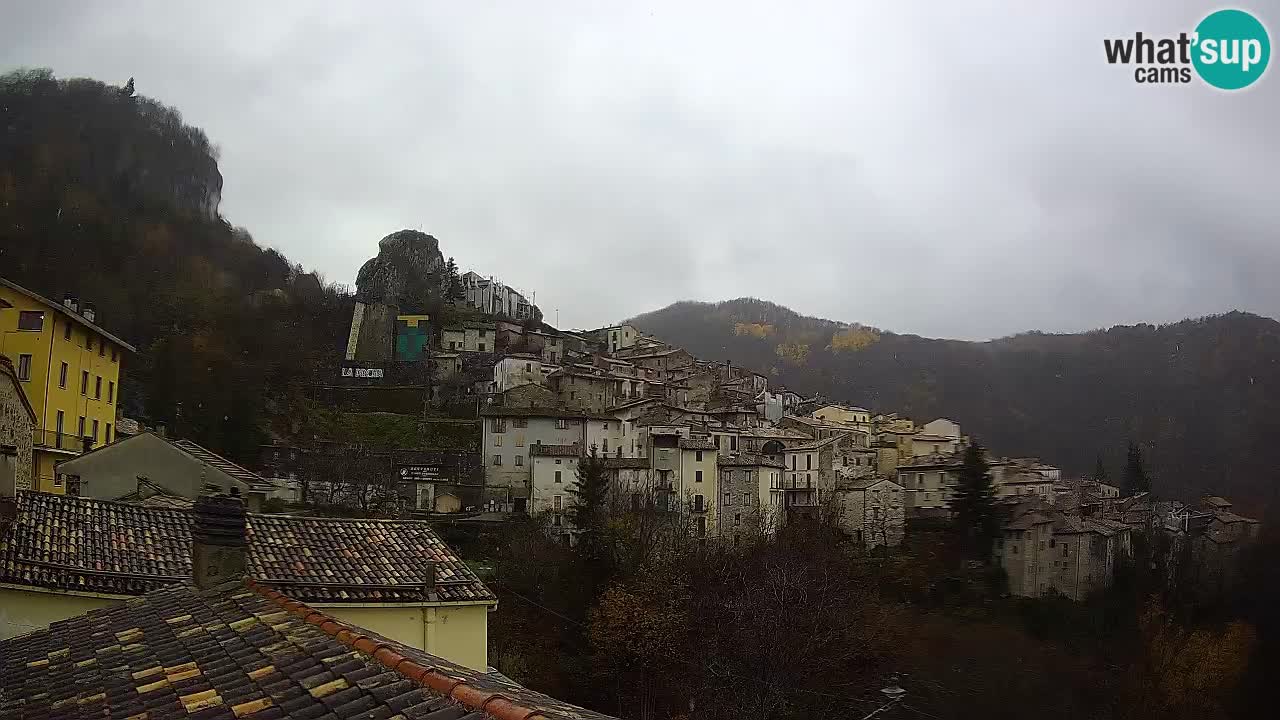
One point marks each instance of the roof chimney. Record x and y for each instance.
(89, 311)
(71, 303)
(218, 540)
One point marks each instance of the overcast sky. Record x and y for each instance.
(957, 172)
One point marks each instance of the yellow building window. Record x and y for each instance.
(24, 367)
(62, 376)
(32, 320)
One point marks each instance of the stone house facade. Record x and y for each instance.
(872, 511)
(17, 426)
(750, 495)
(1044, 551)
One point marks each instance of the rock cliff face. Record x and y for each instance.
(408, 276)
(121, 147)
(409, 273)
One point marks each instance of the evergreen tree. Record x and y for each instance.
(1135, 473)
(1099, 470)
(974, 502)
(588, 513)
(455, 290)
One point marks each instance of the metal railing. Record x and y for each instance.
(57, 440)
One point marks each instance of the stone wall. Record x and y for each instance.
(15, 430)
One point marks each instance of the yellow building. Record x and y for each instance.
(70, 370)
(699, 484)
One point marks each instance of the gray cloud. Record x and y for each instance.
(952, 170)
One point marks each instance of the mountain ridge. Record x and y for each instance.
(1033, 331)
(1200, 394)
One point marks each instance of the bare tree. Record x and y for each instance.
(351, 478)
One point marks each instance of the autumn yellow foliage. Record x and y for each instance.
(854, 339)
(1188, 671)
(757, 330)
(794, 353)
(637, 626)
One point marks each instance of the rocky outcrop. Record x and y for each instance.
(408, 276)
(106, 140)
(409, 273)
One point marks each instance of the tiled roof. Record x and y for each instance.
(243, 650)
(365, 559)
(932, 461)
(865, 483)
(812, 446)
(748, 460)
(215, 460)
(100, 546)
(697, 444)
(773, 433)
(1225, 516)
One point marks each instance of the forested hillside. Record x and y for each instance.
(1203, 396)
(110, 196)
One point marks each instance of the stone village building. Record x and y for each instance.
(1044, 550)
(871, 510)
(750, 495)
(17, 425)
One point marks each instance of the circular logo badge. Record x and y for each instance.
(1232, 49)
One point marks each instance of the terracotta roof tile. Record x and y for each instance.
(215, 460)
(101, 546)
(237, 651)
(749, 460)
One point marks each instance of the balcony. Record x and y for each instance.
(54, 440)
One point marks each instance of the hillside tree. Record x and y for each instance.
(1099, 470)
(974, 502)
(1136, 479)
(455, 291)
(589, 513)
